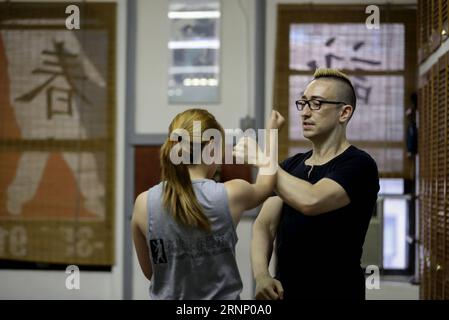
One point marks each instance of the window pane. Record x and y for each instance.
(395, 230)
(388, 159)
(391, 186)
(346, 46)
(194, 51)
(296, 90)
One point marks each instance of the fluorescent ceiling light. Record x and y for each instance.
(201, 44)
(194, 69)
(193, 14)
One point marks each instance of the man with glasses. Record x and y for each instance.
(325, 199)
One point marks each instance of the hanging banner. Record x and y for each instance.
(57, 107)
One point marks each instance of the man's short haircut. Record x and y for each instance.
(345, 92)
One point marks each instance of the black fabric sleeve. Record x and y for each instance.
(289, 163)
(285, 163)
(358, 175)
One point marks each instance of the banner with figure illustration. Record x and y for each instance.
(57, 125)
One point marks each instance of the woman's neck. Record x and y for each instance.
(197, 172)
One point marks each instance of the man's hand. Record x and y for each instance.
(268, 288)
(276, 120)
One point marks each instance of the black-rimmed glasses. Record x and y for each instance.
(314, 104)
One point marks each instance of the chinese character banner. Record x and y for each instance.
(349, 46)
(57, 134)
(376, 62)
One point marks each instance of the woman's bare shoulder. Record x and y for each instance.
(140, 210)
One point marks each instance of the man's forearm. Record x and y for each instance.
(264, 185)
(296, 192)
(261, 250)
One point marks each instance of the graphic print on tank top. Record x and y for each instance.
(158, 251)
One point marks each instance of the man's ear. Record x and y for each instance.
(346, 113)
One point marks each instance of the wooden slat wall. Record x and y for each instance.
(445, 19)
(424, 169)
(423, 29)
(436, 25)
(445, 258)
(434, 180)
(421, 169)
(433, 26)
(441, 175)
(433, 29)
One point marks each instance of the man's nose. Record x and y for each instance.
(306, 112)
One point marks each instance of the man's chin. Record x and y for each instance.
(308, 134)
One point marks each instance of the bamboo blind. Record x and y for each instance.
(433, 179)
(433, 26)
(57, 134)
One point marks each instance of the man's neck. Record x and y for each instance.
(326, 150)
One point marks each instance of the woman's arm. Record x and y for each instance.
(139, 225)
(243, 195)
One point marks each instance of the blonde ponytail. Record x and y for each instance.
(179, 197)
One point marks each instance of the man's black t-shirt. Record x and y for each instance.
(319, 256)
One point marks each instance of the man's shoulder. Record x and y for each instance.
(359, 157)
(299, 155)
(294, 160)
(356, 154)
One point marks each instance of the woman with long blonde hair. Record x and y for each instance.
(184, 227)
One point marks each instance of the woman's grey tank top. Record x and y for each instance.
(189, 263)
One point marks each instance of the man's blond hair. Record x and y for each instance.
(346, 91)
(330, 73)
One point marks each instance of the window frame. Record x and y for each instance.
(297, 13)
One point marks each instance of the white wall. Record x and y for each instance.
(26, 284)
(153, 113)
